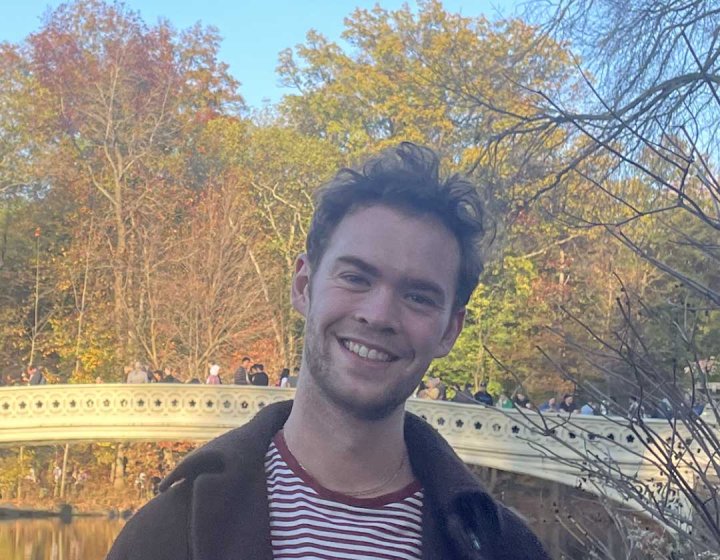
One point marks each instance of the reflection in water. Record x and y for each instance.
(50, 539)
(548, 507)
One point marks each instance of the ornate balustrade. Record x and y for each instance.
(143, 412)
(548, 446)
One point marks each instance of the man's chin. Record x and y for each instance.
(367, 409)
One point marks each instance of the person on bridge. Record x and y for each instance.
(549, 406)
(343, 471)
(567, 404)
(213, 377)
(35, 376)
(138, 374)
(259, 377)
(241, 373)
(482, 396)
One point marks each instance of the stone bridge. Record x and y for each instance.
(552, 447)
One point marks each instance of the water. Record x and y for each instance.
(51, 539)
(544, 504)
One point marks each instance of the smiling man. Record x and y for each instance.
(343, 471)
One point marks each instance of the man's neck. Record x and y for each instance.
(344, 453)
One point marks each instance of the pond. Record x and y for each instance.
(549, 508)
(51, 539)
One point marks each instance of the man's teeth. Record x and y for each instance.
(365, 352)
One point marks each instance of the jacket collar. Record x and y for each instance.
(230, 516)
(458, 514)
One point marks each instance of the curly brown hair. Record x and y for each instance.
(407, 178)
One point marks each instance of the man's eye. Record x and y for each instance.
(421, 299)
(354, 279)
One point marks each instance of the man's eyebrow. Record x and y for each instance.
(359, 263)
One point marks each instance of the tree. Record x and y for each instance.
(419, 77)
(650, 113)
(454, 83)
(205, 299)
(284, 167)
(118, 97)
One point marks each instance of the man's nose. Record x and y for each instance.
(379, 309)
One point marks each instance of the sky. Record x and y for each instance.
(254, 31)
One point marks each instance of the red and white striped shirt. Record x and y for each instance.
(309, 521)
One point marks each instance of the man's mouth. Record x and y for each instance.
(367, 352)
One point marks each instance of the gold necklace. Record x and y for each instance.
(376, 489)
(358, 493)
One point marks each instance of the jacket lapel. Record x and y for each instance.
(230, 519)
(460, 520)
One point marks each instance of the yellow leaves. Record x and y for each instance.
(429, 76)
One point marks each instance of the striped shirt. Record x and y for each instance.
(310, 522)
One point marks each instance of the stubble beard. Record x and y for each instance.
(319, 365)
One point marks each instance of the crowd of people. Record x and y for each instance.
(251, 373)
(247, 373)
(32, 375)
(434, 389)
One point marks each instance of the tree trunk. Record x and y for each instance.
(119, 278)
(276, 325)
(81, 308)
(63, 474)
(119, 480)
(36, 306)
(21, 471)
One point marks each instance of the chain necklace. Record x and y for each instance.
(379, 487)
(360, 493)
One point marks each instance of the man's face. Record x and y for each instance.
(378, 309)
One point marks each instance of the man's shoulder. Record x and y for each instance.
(161, 529)
(158, 530)
(456, 497)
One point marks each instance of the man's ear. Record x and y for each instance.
(455, 325)
(300, 293)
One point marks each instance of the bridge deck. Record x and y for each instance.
(552, 447)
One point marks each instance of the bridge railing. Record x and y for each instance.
(142, 412)
(552, 447)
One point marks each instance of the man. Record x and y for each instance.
(293, 379)
(483, 397)
(464, 395)
(260, 378)
(568, 404)
(35, 376)
(241, 373)
(343, 471)
(138, 374)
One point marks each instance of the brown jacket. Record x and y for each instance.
(214, 505)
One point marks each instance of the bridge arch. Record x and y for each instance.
(507, 440)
